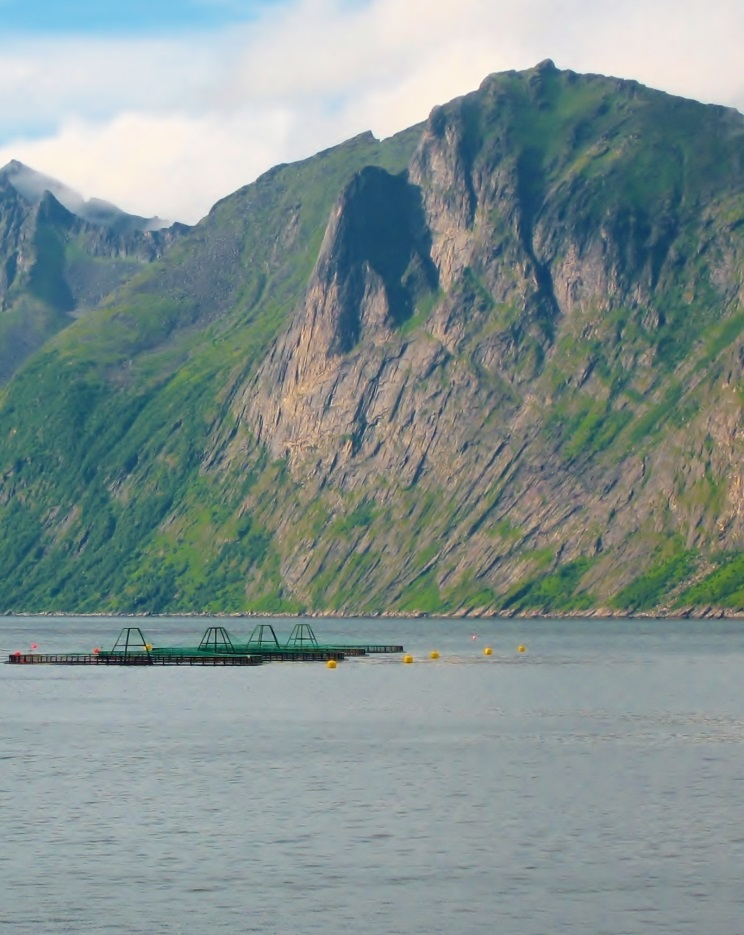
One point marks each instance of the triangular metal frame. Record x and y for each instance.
(302, 636)
(263, 636)
(131, 640)
(216, 640)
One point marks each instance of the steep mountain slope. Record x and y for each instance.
(56, 263)
(492, 364)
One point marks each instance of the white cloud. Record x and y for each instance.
(170, 126)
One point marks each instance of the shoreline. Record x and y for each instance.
(694, 613)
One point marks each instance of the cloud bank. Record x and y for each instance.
(168, 126)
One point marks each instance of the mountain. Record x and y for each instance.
(32, 186)
(60, 256)
(492, 364)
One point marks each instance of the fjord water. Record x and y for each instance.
(590, 785)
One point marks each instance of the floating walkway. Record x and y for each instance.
(216, 648)
(143, 659)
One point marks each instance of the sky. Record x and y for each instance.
(165, 106)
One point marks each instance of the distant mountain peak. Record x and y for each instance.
(31, 185)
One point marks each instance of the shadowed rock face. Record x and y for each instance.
(376, 253)
(374, 262)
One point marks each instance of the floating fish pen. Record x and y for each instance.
(132, 649)
(216, 648)
(302, 635)
(302, 639)
(262, 644)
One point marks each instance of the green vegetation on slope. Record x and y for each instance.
(116, 417)
(723, 587)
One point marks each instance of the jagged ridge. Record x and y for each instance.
(57, 262)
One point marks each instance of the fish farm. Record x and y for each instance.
(216, 648)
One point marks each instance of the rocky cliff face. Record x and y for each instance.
(493, 326)
(374, 262)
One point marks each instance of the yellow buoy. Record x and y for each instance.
(331, 664)
(487, 651)
(433, 654)
(408, 659)
(521, 649)
(148, 647)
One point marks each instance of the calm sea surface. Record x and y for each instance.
(592, 785)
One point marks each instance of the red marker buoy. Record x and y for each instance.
(96, 651)
(34, 646)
